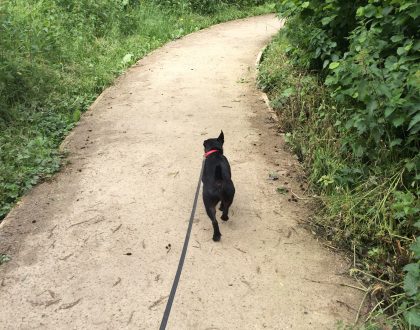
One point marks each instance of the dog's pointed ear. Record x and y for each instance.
(221, 137)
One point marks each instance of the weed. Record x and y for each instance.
(4, 258)
(282, 190)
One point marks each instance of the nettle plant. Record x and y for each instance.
(371, 61)
(367, 53)
(411, 286)
(379, 76)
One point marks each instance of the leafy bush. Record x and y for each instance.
(345, 78)
(371, 62)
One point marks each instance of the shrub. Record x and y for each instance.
(352, 114)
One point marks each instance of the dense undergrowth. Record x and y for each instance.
(56, 56)
(344, 77)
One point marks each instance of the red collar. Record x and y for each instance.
(208, 153)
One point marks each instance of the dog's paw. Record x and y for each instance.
(224, 218)
(216, 238)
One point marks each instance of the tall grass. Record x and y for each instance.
(56, 56)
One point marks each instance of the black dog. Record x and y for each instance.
(217, 183)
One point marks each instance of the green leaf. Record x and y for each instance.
(387, 10)
(372, 106)
(415, 247)
(413, 316)
(288, 92)
(362, 90)
(397, 38)
(370, 11)
(360, 11)
(305, 4)
(359, 151)
(327, 20)
(389, 111)
(334, 65)
(414, 121)
(384, 90)
(410, 284)
(127, 58)
(406, 5)
(76, 115)
(4, 258)
(412, 269)
(397, 122)
(415, 13)
(410, 166)
(395, 142)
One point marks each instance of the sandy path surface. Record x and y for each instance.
(90, 248)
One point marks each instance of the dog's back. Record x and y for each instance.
(217, 177)
(216, 168)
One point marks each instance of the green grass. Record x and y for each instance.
(56, 56)
(365, 206)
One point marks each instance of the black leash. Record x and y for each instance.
(182, 258)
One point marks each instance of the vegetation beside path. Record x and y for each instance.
(56, 56)
(344, 78)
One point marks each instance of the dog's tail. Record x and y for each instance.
(219, 175)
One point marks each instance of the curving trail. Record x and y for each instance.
(128, 189)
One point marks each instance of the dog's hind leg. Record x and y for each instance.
(211, 212)
(227, 199)
(221, 207)
(225, 210)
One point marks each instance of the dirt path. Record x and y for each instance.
(90, 249)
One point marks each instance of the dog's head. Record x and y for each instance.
(214, 144)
